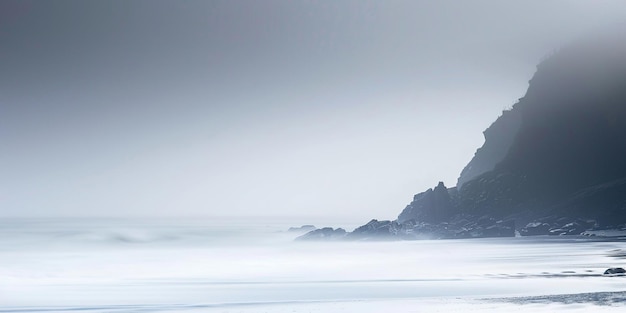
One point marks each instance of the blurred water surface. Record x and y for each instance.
(186, 264)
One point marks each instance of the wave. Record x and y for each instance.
(43, 233)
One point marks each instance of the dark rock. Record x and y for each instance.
(375, 229)
(557, 227)
(485, 221)
(604, 204)
(500, 229)
(557, 232)
(615, 271)
(432, 206)
(572, 228)
(482, 227)
(535, 229)
(498, 139)
(326, 233)
(460, 226)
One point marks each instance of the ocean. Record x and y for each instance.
(254, 265)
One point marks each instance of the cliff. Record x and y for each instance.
(555, 164)
(432, 206)
(498, 140)
(559, 153)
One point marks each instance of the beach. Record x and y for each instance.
(219, 266)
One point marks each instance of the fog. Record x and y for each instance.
(184, 265)
(247, 108)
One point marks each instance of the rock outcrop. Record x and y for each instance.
(377, 229)
(326, 233)
(431, 206)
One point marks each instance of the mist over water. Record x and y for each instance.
(275, 108)
(224, 264)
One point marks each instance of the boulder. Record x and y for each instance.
(615, 271)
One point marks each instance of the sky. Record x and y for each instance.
(259, 108)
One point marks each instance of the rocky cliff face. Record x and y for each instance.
(431, 206)
(558, 154)
(555, 164)
(498, 140)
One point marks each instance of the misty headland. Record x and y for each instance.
(553, 164)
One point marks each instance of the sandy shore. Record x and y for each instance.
(584, 302)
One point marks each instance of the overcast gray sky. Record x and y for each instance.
(343, 108)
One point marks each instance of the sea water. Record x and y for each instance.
(254, 265)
